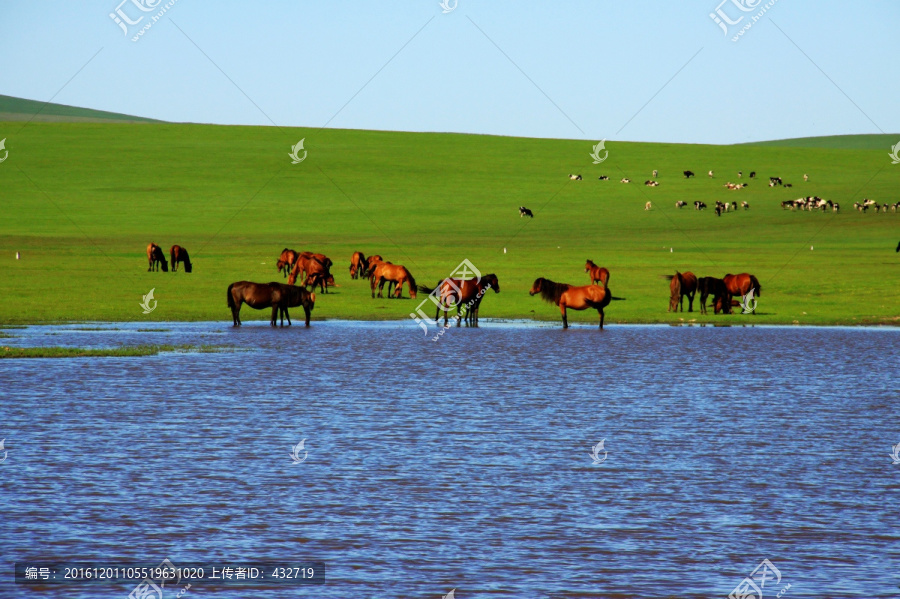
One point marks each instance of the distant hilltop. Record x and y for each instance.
(20, 109)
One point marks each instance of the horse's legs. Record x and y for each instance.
(562, 308)
(307, 310)
(602, 316)
(691, 302)
(703, 297)
(236, 313)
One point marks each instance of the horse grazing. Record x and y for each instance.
(397, 274)
(716, 288)
(466, 293)
(156, 257)
(741, 284)
(290, 296)
(598, 273)
(358, 265)
(575, 298)
(255, 295)
(179, 254)
(682, 284)
(315, 267)
(286, 261)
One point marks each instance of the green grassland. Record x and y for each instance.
(81, 201)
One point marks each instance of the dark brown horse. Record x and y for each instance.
(156, 257)
(255, 295)
(286, 261)
(741, 284)
(461, 293)
(179, 254)
(358, 265)
(291, 296)
(711, 286)
(572, 297)
(681, 284)
(385, 272)
(598, 273)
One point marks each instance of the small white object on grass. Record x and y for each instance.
(810, 248)
(671, 250)
(504, 250)
(17, 255)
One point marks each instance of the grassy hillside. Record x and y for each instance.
(20, 109)
(81, 202)
(836, 142)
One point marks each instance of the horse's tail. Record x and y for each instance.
(230, 297)
(426, 289)
(412, 280)
(667, 277)
(617, 299)
(756, 286)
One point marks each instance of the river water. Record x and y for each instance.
(463, 463)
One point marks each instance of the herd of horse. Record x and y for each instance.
(723, 291)
(314, 270)
(157, 258)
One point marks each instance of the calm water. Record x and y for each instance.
(463, 463)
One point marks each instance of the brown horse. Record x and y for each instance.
(741, 284)
(682, 284)
(255, 295)
(179, 254)
(315, 267)
(156, 257)
(572, 297)
(290, 296)
(358, 265)
(286, 261)
(466, 293)
(385, 272)
(716, 288)
(598, 273)
(372, 263)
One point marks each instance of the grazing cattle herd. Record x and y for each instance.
(314, 270)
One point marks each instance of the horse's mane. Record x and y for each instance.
(591, 264)
(551, 291)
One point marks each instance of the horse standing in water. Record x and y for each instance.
(575, 298)
(156, 257)
(179, 254)
(682, 284)
(597, 273)
(462, 292)
(277, 296)
(291, 296)
(741, 284)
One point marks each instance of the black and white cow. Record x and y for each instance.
(523, 211)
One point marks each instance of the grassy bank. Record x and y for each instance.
(82, 200)
(118, 352)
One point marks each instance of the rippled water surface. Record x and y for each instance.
(462, 463)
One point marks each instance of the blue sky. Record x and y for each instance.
(642, 71)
